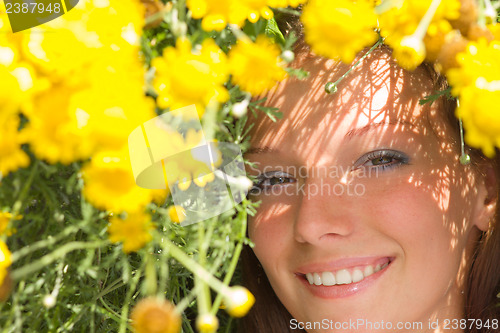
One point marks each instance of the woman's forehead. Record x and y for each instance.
(376, 91)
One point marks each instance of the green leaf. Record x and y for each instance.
(299, 73)
(434, 97)
(272, 31)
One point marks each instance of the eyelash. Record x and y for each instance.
(398, 159)
(260, 186)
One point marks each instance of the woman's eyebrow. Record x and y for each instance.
(261, 150)
(372, 126)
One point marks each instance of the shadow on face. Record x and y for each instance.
(409, 198)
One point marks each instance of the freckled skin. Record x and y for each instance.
(423, 212)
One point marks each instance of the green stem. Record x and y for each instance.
(481, 19)
(118, 283)
(184, 303)
(181, 7)
(194, 267)
(203, 292)
(152, 18)
(426, 20)
(30, 268)
(128, 298)
(240, 35)
(43, 243)
(332, 87)
(232, 266)
(150, 274)
(24, 192)
(210, 120)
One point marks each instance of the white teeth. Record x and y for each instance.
(343, 276)
(328, 279)
(368, 271)
(317, 279)
(357, 275)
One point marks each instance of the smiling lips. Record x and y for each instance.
(345, 275)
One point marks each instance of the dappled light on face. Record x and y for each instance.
(441, 192)
(416, 200)
(270, 212)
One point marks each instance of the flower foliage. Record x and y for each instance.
(80, 242)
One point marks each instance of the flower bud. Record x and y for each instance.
(240, 109)
(239, 302)
(410, 52)
(288, 56)
(207, 323)
(49, 301)
(155, 315)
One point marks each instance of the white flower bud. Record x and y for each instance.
(49, 301)
(180, 29)
(245, 182)
(240, 109)
(288, 56)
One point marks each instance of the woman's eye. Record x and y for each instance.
(279, 180)
(267, 180)
(384, 158)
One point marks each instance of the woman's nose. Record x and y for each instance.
(325, 211)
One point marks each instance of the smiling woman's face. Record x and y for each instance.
(366, 211)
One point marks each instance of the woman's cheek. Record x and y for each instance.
(271, 227)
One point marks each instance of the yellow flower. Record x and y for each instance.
(95, 97)
(476, 82)
(186, 76)
(10, 92)
(134, 231)
(402, 18)
(12, 157)
(85, 37)
(112, 106)
(435, 39)
(5, 287)
(5, 218)
(480, 59)
(54, 134)
(495, 30)
(5, 260)
(410, 52)
(207, 323)
(109, 183)
(177, 214)
(339, 29)
(154, 315)
(480, 112)
(217, 14)
(256, 67)
(239, 301)
(187, 158)
(285, 3)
